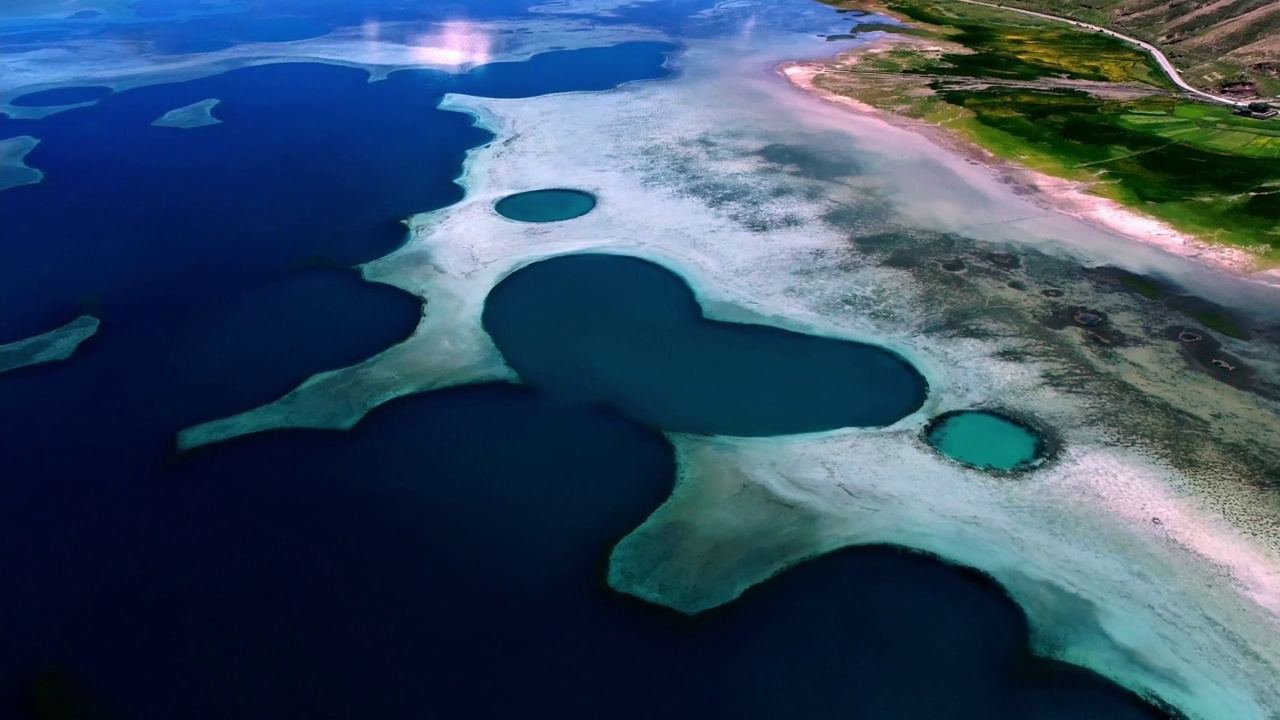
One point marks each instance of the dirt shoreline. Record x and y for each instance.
(1065, 196)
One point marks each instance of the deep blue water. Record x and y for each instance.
(628, 333)
(443, 559)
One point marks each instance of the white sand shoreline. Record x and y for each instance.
(1068, 197)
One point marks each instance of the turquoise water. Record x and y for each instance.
(629, 334)
(546, 205)
(985, 440)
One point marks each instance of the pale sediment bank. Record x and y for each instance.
(197, 114)
(14, 171)
(779, 210)
(52, 346)
(1069, 197)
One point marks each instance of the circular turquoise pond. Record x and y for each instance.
(986, 440)
(546, 205)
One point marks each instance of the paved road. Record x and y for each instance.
(1152, 50)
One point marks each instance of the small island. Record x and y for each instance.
(14, 171)
(48, 347)
(198, 114)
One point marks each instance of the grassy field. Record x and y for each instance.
(1196, 167)
(1007, 83)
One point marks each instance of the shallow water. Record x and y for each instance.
(985, 440)
(627, 333)
(546, 205)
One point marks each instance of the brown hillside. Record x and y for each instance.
(1214, 42)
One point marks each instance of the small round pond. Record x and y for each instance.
(550, 205)
(987, 440)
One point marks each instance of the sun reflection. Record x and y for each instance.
(454, 45)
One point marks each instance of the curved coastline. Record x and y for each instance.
(1068, 197)
(449, 263)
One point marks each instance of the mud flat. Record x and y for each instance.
(52, 346)
(1147, 551)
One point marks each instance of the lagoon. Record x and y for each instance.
(628, 333)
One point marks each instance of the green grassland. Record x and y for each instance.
(998, 81)
(1197, 167)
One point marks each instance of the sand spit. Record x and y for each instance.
(14, 171)
(52, 346)
(197, 114)
(783, 210)
(1066, 196)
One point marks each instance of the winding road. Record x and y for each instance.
(1150, 49)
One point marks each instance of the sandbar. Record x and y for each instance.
(197, 114)
(14, 171)
(52, 346)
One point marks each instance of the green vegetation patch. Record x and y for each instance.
(1003, 80)
(1209, 180)
(1143, 286)
(1206, 126)
(1221, 323)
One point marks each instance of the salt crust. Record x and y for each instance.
(1187, 610)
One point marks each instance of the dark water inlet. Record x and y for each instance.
(629, 333)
